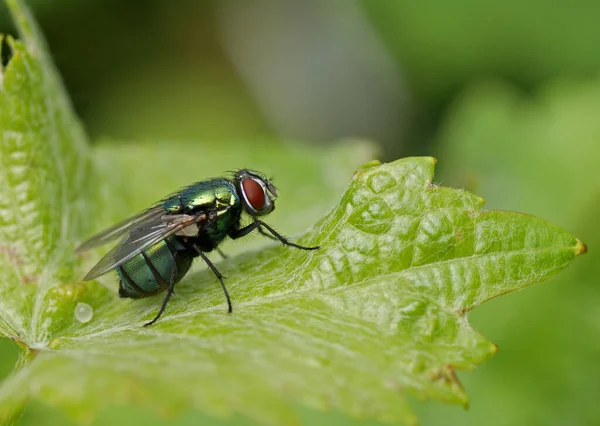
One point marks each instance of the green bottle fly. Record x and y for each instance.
(158, 245)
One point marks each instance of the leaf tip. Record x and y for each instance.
(580, 248)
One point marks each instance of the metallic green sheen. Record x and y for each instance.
(218, 195)
(213, 193)
(138, 271)
(217, 198)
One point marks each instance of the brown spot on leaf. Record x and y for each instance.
(461, 310)
(29, 352)
(448, 375)
(30, 279)
(11, 254)
(581, 247)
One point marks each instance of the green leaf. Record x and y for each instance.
(379, 308)
(377, 313)
(540, 154)
(43, 168)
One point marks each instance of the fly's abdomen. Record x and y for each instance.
(137, 278)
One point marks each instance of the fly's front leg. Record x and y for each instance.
(259, 224)
(263, 232)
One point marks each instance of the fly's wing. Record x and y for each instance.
(120, 229)
(142, 237)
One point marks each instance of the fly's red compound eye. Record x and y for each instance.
(255, 194)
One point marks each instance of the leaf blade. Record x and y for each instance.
(354, 326)
(44, 159)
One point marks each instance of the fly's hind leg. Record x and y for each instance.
(161, 281)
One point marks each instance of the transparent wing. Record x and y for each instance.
(121, 228)
(142, 237)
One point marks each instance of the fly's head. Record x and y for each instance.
(257, 193)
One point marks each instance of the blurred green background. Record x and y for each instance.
(506, 95)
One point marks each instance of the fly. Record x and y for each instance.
(158, 245)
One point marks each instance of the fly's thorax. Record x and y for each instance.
(214, 194)
(226, 221)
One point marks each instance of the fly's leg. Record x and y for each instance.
(263, 232)
(223, 255)
(161, 281)
(218, 275)
(260, 224)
